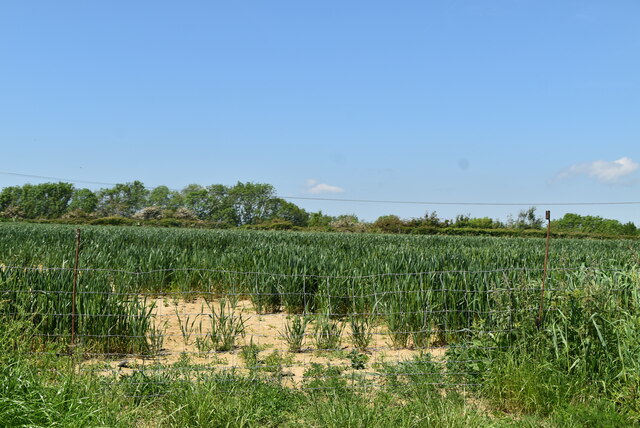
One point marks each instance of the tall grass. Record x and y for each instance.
(105, 322)
(477, 297)
(421, 290)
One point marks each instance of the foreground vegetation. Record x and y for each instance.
(477, 297)
(43, 391)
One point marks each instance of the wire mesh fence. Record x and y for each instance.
(304, 331)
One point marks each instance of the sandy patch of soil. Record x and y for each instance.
(184, 327)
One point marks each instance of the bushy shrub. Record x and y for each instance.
(169, 222)
(113, 221)
(390, 224)
(275, 224)
(348, 223)
(13, 212)
(149, 213)
(78, 214)
(184, 214)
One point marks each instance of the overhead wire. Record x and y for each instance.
(369, 201)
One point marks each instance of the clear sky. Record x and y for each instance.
(448, 101)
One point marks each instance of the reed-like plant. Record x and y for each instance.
(226, 325)
(103, 321)
(361, 330)
(328, 332)
(186, 325)
(294, 332)
(156, 338)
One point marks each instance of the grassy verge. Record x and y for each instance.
(39, 390)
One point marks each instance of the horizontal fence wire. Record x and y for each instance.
(302, 330)
(303, 275)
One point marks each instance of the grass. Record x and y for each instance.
(42, 391)
(225, 325)
(422, 287)
(476, 297)
(104, 322)
(294, 332)
(327, 332)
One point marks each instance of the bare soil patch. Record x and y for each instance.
(182, 323)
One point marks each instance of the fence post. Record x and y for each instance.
(544, 273)
(74, 290)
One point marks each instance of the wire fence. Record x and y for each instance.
(304, 331)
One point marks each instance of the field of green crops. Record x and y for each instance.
(476, 297)
(423, 288)
(146, 249)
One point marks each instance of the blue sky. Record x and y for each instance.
(450, 101)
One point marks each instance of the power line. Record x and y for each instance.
(67, 180)
(70, 180)
(368, 201)
(375, 201)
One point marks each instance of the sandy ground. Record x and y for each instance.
(262, 330)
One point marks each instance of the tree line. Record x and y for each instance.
(237, 205)
(526, 220)
(256, 205)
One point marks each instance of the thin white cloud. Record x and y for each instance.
(317, 188)
(605, 171)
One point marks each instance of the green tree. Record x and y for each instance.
(83, 200)
(221, 208)
(319, 220)
(593, 224)
(280, 209)
(389, 224)
(475, 222)
(10, 197)
(629, 228)
(484, 223)
(176, 201)
(250, 202)
(527, 219)
(195, 200)
(28, 203)
(433, 220)
(160, 197)
(122, 199)
(166, 198)
(46, 200)
(212, 203)
(52, 199)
